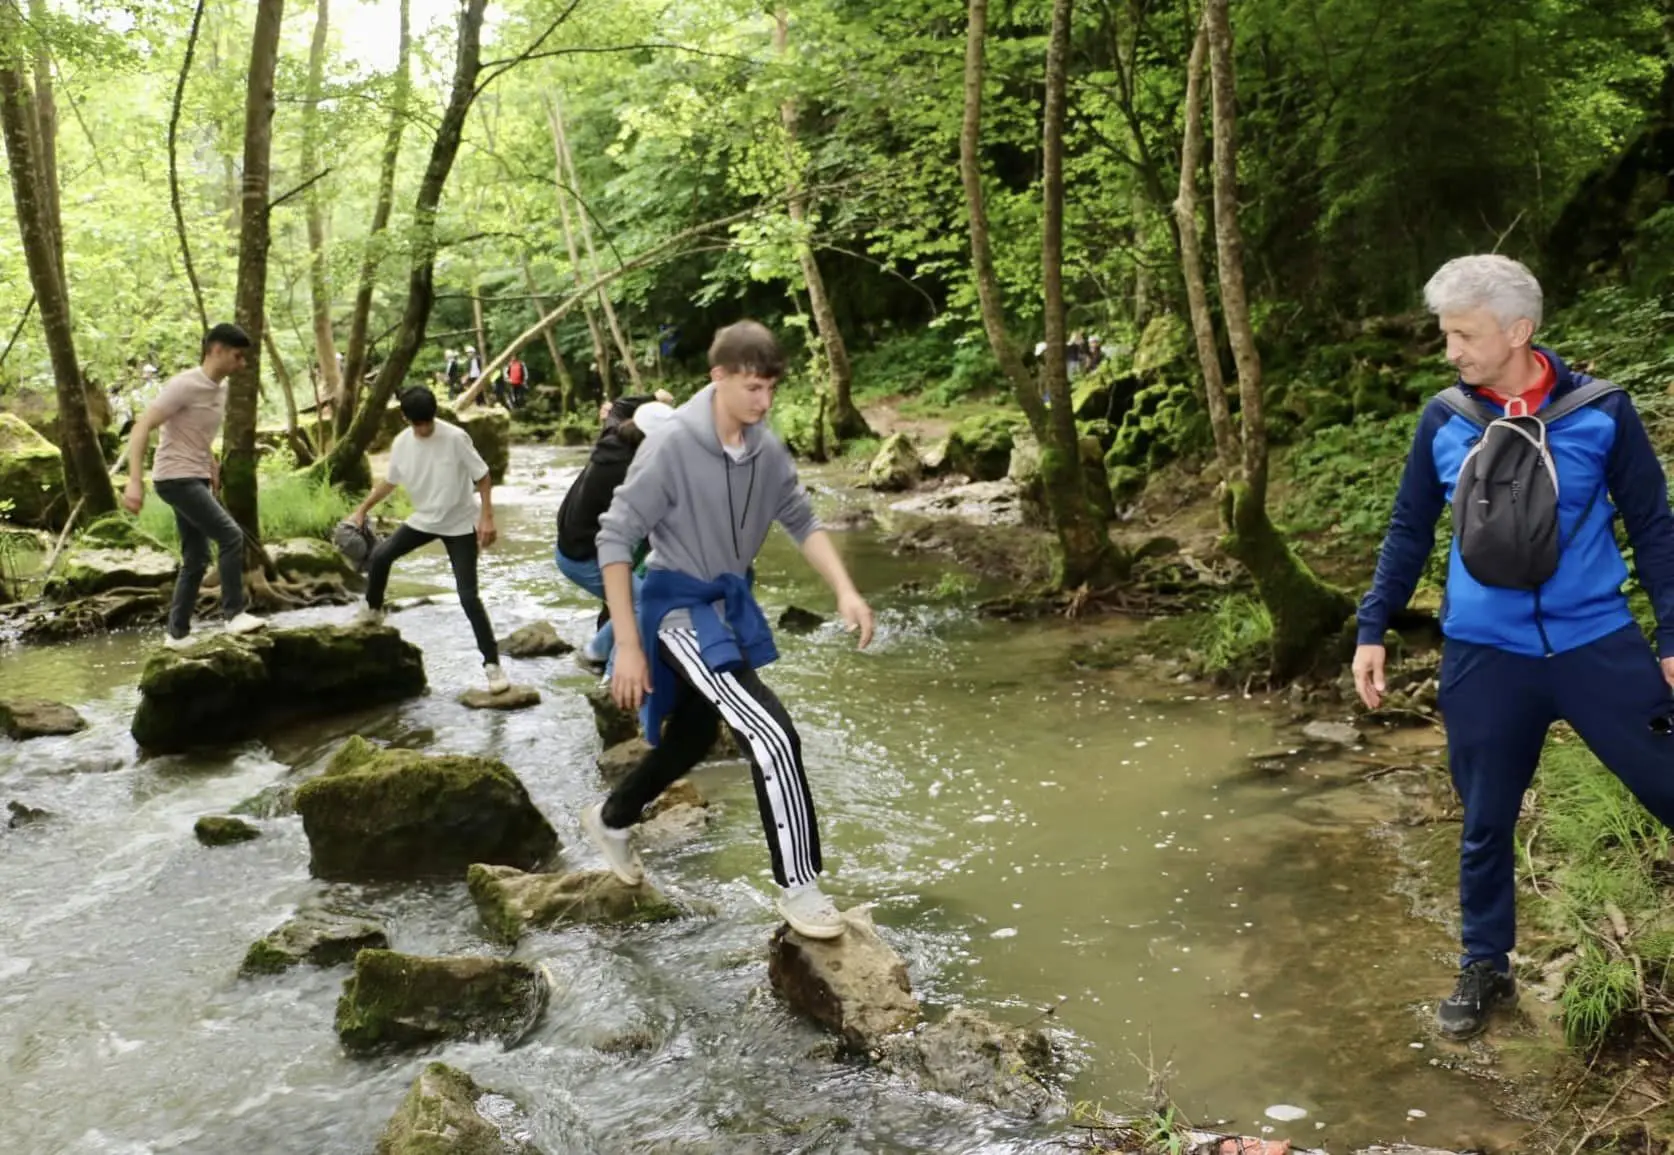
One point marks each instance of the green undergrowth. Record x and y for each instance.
(291, 505)
(1231, 640)
(1600, 867)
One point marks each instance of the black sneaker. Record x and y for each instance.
(1464, 1013)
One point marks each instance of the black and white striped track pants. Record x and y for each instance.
(763, 729)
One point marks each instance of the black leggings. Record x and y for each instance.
(763, 729)
(462, 556)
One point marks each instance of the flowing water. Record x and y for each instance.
(1030, 836)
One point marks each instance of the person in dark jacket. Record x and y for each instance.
(630, 421)
(1518, 659)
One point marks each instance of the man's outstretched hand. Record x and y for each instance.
(856, 615)
(630, 679)
(1368, 674)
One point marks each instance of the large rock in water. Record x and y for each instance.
(309, 557)
(615, 724)
(232, 688)
(855, 986)
(490, 431)
(324, 938)
(222, 830)
(31, 474)
(398, 1000)
(89, 570)
(379, 813)
(511, 901)
(896, 466)
(512, 698)
(974, 1058)
(440, 1116)
(536, 640)
(980, 445)
(22, 718)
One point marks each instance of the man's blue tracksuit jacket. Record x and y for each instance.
(1515, 661)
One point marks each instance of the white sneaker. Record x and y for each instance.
(498, 683)
(170, 642)
(810, 913)
(369, 616)
(246, 623)
(613, 845)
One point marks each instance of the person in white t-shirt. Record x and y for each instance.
(443, 475)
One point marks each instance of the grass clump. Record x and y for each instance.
(1235, 636)
(291, 505)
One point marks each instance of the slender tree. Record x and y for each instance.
(601, 354)
(85, 471)
(174, 164)
(319, 279)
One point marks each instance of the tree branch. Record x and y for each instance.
(491, 72)
(300, 189)
(174, 164)
(18, 331)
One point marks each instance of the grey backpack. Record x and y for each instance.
(355, 542)
(1505, 500)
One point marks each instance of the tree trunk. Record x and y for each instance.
(600, 357)
(354, 363)
(1191, 263)
(1088, 556)
(46, 141)
(294, 433)
(174, 164)
(238, 439)
(566, 387)
(1305, 610)
(347, 460)
(845, 418)
(319, 280)
(481, 356)
(85, 471)
(982, 258)
(585, 222)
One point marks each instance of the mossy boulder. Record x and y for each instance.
(397, 1001)
(88, 570)
(233, 688)
(796, 620)
(223, 830)
(896, 466)
(971, 1057)
(934, 457)
(320, 937)
(980, 445)
(1025, 472)
(1163, 346)
(23, 718)
(31, 475)
(276, 801)
(309, 557)
(490, 431)
(535, 640)
(511, 901)
(440, 1116)
(1165, 421)
(615, 724)
(381, 813)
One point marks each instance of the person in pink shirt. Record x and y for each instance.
(189, 411)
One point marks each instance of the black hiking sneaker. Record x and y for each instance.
(1481, 988)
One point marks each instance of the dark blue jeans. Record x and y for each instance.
(200, 520)
(462, 557)
(1498, 708)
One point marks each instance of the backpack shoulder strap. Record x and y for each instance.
(1577, 398)
(1467, 406)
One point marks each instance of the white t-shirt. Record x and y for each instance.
(440, 474)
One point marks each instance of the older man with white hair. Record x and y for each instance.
(1537, 461)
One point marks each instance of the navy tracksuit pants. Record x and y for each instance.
(1498, 707)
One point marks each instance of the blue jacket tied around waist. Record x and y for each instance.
(1605, 466)
(749, 638)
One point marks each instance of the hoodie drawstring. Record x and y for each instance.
(749, 491)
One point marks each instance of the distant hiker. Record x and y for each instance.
(473, 372)
(187, 477)
(454, 373)
(576, 552)
(443, 475)
(1537, 461)
(705, 490)
(517, 376)
(1095, 353)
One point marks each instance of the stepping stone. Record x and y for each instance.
(219, 830)
(855, 986)
(23, 718)
(515, 698)
(538, 640)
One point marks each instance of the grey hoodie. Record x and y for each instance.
(705, 513)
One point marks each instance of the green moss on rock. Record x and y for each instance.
(396, 1001)
(896, 466)
(320, 937)
(490, 431)
(31, 474)
(402, 814)
(980, 445)
(511, 901)
(90, 569)
(439, 1116)
(219, 830)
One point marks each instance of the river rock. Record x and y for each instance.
(511, 901)
(980, 445)
(513, 698)
(324, 938)
(796, 620)
(22, 815)
(617, 761)
(615, 724)
(31, 474)
(536, 640)
(231, 688)
(896, 465)
(970, 1056)
(24, 718)
(441, 1116)
(980, 502)
(397, 1000)
(220, 830)
(378, 813)
(934, 457)
(1331, 733)
(276, 801)
(84, 572)
(56, 622)
(855, 986)
(490, 431)
(308, 557)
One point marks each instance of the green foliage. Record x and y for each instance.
(1165, 421)
(1344, 479)
(929, 364)
(1236, 636)
(292, 505)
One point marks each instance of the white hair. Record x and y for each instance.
(1486, 280)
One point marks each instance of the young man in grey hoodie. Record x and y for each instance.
(705, 489)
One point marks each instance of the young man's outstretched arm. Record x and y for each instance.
(796, 514)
